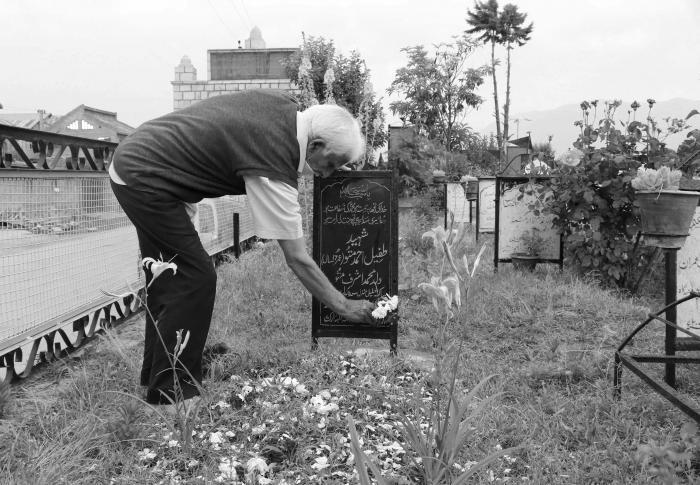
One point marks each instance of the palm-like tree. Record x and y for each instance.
(486, 22)
(513, 32)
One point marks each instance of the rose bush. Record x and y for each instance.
(591, 196)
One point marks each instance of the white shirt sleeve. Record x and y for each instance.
(274, 208)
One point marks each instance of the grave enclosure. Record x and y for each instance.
(514, 217)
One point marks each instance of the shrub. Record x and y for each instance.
(592, 199)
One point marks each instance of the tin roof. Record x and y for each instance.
(24, 120)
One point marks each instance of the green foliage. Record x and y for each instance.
(544, 151)
(5, 397)
(514, 32)
(415, 158)
(592, 198)
(450, 426)
(671, 461)
(437, 90)
(689, 150)
(127, 424)
(411, 239)
(484, 20)
(592, 203)
(351, 80)
(362, 461)
(531, 242)
(507, 28)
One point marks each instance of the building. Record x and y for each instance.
(518, 153)
(87, 122)
(33, 121)
(230, 70)
(83, 121)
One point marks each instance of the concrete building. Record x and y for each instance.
(94, 123)
(230, 70)
(518, 154)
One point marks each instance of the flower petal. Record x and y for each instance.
(478, 258)
(452, 284)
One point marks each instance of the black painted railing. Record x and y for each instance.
(43, 150)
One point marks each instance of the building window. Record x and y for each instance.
(80, 125)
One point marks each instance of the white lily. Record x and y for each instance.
(439, 292)
(180, 343)
(465, 262)
(437, 234)
(452, 284)
(132, 292)
(157, 267)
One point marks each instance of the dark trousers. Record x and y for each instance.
(182, 301)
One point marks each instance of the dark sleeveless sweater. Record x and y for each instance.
(204, 150)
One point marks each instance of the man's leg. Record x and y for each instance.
(182, 301)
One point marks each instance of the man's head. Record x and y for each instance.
(334, 138)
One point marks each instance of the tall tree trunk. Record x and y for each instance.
(506, 108)
(499, 140)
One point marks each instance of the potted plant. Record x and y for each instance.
(531, 246)
(666, 212)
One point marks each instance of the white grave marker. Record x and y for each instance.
(487, 205)
(688, 278)
(457, 202)
(515, 218)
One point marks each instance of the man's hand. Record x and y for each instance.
(311, 276)
(358, 311)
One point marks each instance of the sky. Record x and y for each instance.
(119, 55)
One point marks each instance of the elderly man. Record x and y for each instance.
(254, 143)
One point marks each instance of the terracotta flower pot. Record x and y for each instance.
(666, 216)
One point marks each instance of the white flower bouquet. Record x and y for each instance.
(385, 314)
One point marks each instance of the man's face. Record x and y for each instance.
(321, 161)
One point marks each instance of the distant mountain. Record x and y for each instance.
(559, 122)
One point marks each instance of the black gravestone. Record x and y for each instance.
(356, 247)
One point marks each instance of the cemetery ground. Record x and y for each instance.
(276, 412)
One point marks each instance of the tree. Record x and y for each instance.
(504, 28)
(514, 33)
(351, 80)
(544, 150)
(485, 20)
(438, 89)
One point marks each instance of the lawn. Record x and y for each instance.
(277, 412)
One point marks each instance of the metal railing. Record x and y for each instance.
(65, 245)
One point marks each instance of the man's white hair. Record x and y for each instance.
(337, 128)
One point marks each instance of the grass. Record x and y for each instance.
(279, 413)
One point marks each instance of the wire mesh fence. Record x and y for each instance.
(64, 241)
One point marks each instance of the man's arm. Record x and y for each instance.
(311, 276)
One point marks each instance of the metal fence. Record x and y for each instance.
(65, 245)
